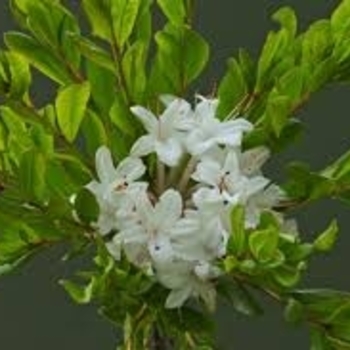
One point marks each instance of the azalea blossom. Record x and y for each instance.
(206, 131)
(145, 235)
(111, 188)
(176, 226)
(163, 137)
(226, 180)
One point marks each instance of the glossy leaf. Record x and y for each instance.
(174, 10)
(233, 89)
(181, 57)
(238, 238)
(86, 206)
(71, 106)
(263, 244)
(37, 56)
(124, 14)
(326, 240)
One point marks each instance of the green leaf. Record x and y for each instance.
(326, 240)
(94, 53)
(340, 169)
(103, 88)
(37, 56)
(291, 83)
(19, 74)
(86, 206)
(323, 304)
(232, 90)
(275, 48)
(263, 244)
(317, 43)
(307, 185)
(286, 276)
(277, 112)
(294, 311)
(94, 132)
(124, 15)
(71, 104)
(238, 238)
(122, 117)
(80, 294)
(322, 74)
(319, 341)
(288, 20)
(239, 297)
(43, 141)
(99, 16)
(341, 15)
(174, 10)
(32, 175)
(181, 57)
(230, 263)
(134, 62)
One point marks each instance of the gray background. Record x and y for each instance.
(35, 313)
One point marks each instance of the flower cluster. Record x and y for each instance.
(176, 226)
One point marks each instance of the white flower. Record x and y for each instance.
(199, 236)
(163, 136)
(261, 201)
(186, 280)
(226, 180)
(112, 184)
(206, 131)
(252, 160)
(178, 236)
(146, 236)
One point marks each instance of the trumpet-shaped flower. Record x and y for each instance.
(112, 185)
(206, 131)
(163, 137)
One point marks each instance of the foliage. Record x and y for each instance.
(47, 154)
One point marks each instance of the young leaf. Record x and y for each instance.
(263, 244)
(174, 10)
(294, 311)
(232, 90)
(80, 294)
(317, 43)
(325, 241)
(277, 112)
(238, 237)
(71, 105)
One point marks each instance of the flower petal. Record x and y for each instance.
(252, 160)
(143, 146)
(146, 117)
(131, 169)
(177, 297)
(168, 210)
(169, 151)
(104, 165)
(207, 172)
(206, 108)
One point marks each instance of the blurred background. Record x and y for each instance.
(35, 312)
